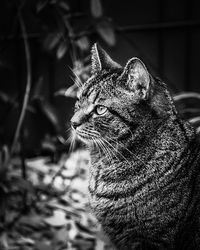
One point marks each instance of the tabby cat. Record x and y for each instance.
(144, 180)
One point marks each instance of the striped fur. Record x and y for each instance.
(144, 175)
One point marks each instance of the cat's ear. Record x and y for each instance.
(137, 78)
(101, 60)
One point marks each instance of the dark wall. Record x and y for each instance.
(172, 51)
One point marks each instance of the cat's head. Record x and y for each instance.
(118, 102)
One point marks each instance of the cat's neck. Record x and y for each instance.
(157, 152)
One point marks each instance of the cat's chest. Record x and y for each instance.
(136, 201)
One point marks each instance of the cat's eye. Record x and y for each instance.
(100, 109)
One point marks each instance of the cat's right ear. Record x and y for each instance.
(136, 78)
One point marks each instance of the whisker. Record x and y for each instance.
(110, 145)
(77, 79)
(92, 132)
(106, 150)
(129, 151)
(73, 140)
(117, 151)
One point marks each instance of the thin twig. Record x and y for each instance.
(28, 83)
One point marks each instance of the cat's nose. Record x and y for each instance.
(74, 124)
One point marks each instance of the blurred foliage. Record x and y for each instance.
(55, 214)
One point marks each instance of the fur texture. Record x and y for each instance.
(144, 174)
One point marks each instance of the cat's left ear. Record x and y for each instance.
(101, 60)
(137, 78)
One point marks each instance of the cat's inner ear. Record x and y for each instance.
(101, 60)
(137, 78)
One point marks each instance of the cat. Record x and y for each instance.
(144, 178)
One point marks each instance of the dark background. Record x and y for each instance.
(164, 34)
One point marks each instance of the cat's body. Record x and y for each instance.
(145, 162)
(149, 203)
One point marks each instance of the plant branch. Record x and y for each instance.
(28, 83)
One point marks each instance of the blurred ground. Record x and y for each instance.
(49, 210)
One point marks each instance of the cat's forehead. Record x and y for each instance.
(96, 85)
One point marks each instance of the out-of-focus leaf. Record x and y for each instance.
(5, 98)
(80, 185)
(64, 5)
(37, 90)
(49, 146)
(183, 96)
(22, 185)
(51, 40)
(83, 43)
(57, 219)
(195, 120)
(68, 209)
(38, 164)
(72, 230)
(4, 241)
(62, 235)
(41, 4)
(25, 241)
(4, 161)
(84, 244)
(96, 8)
(99, 245)
(42, 245)
(68, 92)
(34, 221)
(106, 31)
(62, 48)
(59, 183)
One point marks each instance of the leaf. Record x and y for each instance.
(83, 43)
(99, 245)
(80, 185)
(40, 5)
(96, 8)
(37, 89)
(61, 235)
(4, 160)
(61, 49)
(34, 221)
(38, 164)
(22, 185)
(51, 40)
(106, 31)
(43, 246)
(68, 92)
(68, 209)
(4, 241)
(64, 5)
(25, 241)
(183, 96)
(57, 220)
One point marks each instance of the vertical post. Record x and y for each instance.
(160, 38)
(187, 70)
